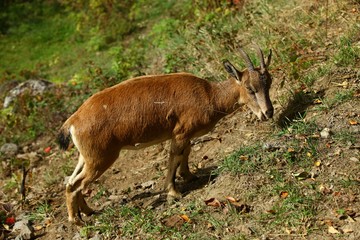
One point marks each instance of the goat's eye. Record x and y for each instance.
(251, 91)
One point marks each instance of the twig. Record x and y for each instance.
(23, 181)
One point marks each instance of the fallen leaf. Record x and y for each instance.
(302, 176)
(38, 227)
(317, 101)
(174, 221)
(324, 190)
(47, 150)
(284, 194)
(337, 194)
(347, 229)
(332, 230)
(291, 150)
(271, 211)
(10, 221)
(243, 158)
(185, 218)
(353, 122)
(210, 226)
(48, 222)
(231, 199)
(328, 222)
(213, 202)
(317, 163)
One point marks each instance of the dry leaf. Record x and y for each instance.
(328, 222)
(284, 194)
(302, 175)
(317, 163)
(231, 199)
(317, 101)
(332, 230)
(48, 222)
(325, 190)
(186, 218)
(38, 227)
(347, 229)
(291, 150)
(210, 226)
(174, 221)
(213, 202)
(353, 122)
(337, 194)
(271, 211)
(243, 158)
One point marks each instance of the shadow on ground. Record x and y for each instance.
(297, 106)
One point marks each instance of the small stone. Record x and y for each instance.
(32, 156)
(9, 149)
(325, 133)
(114, 198)
(25, 229)
(77, 236)
(96, 237)
(148, 184)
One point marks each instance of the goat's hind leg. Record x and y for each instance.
(75, 201)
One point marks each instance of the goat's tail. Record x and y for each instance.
(64, 137)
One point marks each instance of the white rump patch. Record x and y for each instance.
(73, 136)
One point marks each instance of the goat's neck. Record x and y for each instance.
(226, 96)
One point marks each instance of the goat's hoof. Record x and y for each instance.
(77, 222)
(173, 197)
(88, 212)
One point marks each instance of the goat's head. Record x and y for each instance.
(254, 84)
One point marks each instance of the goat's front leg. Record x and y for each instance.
(184, 171)
(177, 151)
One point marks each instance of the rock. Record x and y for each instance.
(96, 237)
(32, 156)
(7, 86)
(9, 149)
(33, 87)
(77, 236)
(148, 184)
(270, 147)
(115, 198)
(26, 231)
(325, 133)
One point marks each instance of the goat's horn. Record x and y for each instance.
(261, 56)
(247, 60)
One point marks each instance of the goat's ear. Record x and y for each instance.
(268, 60)
(232, 70)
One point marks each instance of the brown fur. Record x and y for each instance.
(146, 110)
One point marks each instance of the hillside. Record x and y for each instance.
(296, 176)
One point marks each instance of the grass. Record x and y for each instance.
(42, 212)
(310, 43)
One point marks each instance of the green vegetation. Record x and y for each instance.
(85, 46)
